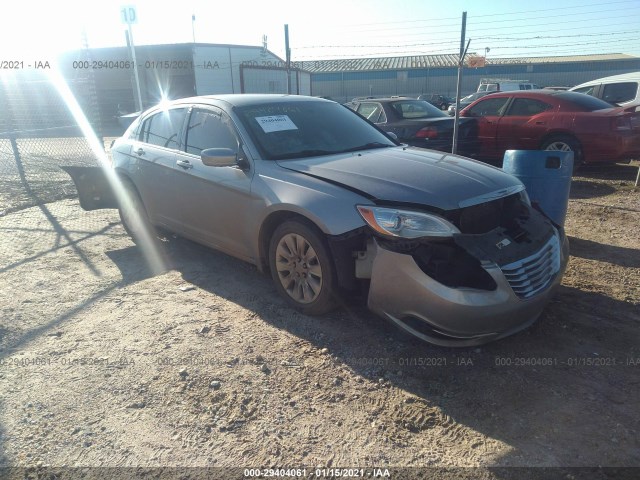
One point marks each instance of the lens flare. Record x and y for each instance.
(147, 237)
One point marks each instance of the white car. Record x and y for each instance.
(620, 90)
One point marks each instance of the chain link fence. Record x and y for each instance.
(38, 134)
(30, 171)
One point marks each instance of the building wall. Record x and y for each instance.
(165, 72)
(262, 80)
(274, 80)
(343, 86)
(304, 82)
(217, 68)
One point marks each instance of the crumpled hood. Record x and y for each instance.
(411, 175)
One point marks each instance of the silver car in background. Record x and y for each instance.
(449, 249)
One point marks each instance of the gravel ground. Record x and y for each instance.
(103, 364)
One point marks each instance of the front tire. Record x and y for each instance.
(302, 267)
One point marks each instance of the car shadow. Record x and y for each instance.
(588, 249)
(513, 390)
(616, 171)
(584, 189)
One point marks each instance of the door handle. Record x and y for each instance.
(541, 123)
(139, 151)
(184, 164)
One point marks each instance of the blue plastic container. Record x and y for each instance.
(547, 177)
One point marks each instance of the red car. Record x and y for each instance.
(593, 129)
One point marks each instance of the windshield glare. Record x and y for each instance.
(307, 129)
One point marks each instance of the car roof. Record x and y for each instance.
(534, 92)
(613, 78)
(390, 99)
(560, 96)
(244, 99)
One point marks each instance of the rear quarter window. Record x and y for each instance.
(582, 102)
(417, 109)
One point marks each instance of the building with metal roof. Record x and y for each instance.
(344, 79)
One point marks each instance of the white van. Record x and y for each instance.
(504, 85)
(618, 89)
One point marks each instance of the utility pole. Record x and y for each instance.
(454, 146)
(129, 16)
(135, 68)
(288, 53)
(193, 27)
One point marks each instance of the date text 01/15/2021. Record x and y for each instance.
(317, 473)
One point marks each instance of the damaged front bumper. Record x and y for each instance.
(402, 292)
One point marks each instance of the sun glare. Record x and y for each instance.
(147, 243)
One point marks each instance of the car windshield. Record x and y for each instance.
(411, 109)
(584, 102)
(299, 129)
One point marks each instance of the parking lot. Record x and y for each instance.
(106, 364)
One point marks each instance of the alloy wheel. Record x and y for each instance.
(559, 146)
(298, 268)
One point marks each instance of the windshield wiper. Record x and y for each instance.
(368, 146)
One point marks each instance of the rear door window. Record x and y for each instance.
(527, 107)
(619, 92)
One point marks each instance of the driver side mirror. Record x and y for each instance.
(219, 157)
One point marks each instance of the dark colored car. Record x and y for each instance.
(593, 129)
(440, 101)
(415, 122)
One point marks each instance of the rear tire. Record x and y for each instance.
(302, 268)
(565, 143)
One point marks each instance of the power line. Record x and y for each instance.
(455, 33)
(495, 39)
(517, 12)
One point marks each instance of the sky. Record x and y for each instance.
(330, 29)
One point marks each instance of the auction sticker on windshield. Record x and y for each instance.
(276, 123)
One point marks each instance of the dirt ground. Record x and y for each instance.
(104, 364)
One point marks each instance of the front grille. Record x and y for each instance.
(534, 273)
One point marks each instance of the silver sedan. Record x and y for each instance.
(449, 249)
